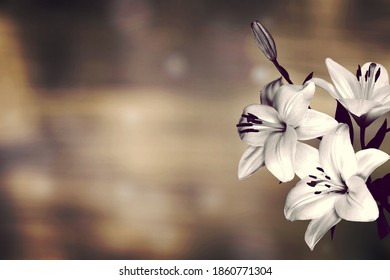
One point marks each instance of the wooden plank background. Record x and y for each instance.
(117, 127)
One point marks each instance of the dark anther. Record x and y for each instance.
(358, 72)
(312, 176)
(318, 192)
(308, 78)
(312, 183)
(248, 116)
(366, 76)
(327, 185)
(256, 121)
(327, 177)
(378, 73)
(252, 116)
(249, 130)
(244, 124)
(320, 169)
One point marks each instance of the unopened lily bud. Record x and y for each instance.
(264, 40)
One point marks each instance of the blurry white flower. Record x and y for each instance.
(272, 129)
(366, 96)
(333, 184)
(175, 65)
(260, 74)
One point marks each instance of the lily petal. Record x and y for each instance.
(357, 205)
(318, 227)
(382, 95)
(368, 160)
(345, 82)
(292, 102)
(279, 154)
(337, 156)
(315, 124)
(258, 135)
(306, 160)
(327, 86)
(268, 92)
(251, 161)
(305, 202)
(375, 113)
(359, 107)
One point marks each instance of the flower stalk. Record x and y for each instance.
(266, 44)
(363, 136)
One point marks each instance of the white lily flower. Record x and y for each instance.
(273, 128)
(333, 184)
(366, 96)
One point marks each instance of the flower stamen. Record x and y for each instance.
(323, 180)
(258, 124)
(249, 130)
(244, 124)
(378, 73)
(320, 169)
(358, 72)
(370, 79)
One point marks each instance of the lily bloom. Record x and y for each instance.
(272, 129)
(366, 96)
(333, 184)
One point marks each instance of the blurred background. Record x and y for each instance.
(117, 126)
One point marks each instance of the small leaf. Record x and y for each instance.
(379, 137)
(308, 78)
(332, 232)
(380, 190)
(382, 224)
(342, 116)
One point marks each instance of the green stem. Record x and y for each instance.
(362, 136)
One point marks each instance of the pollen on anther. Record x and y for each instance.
(358, 72)
(249, 130)
(252, 116)
(244, 124)
(256, 121)
(320, 169)
(377, 74)
(312, 183)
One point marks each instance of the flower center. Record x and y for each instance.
(370, 77)
(323, 180)
(255, 124)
